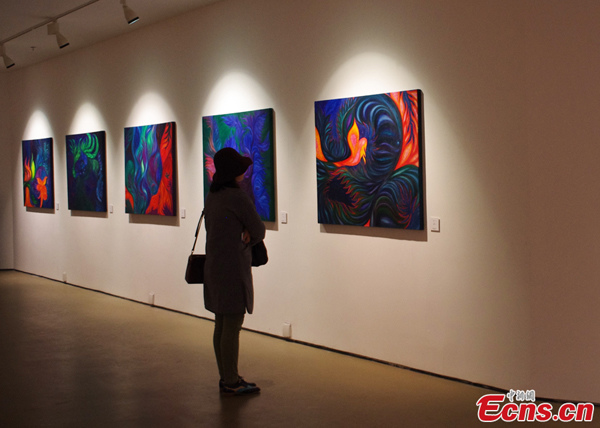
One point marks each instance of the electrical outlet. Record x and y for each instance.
(287, 330)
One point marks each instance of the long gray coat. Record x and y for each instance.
(228, 273)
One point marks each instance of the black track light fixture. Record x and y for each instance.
(130, 16)
(8, 62)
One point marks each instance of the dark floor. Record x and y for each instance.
(77, 358)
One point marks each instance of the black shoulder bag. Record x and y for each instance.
(259, 254)
(194, 273)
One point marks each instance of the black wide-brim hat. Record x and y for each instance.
(229, 164)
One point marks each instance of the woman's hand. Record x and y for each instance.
(246, 237)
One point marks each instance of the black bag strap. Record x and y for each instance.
(197, 230)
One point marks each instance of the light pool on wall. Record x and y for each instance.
(150, 169)
(369, 160)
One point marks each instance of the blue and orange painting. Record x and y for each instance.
(369, 160)
(150, 169)
(38, 173)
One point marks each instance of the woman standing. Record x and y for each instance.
(232, 227)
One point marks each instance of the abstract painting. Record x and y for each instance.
(251, 134)
(86, 171)
(369, 160)
(38, 173)
(150, 169)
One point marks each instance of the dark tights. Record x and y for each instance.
(226, 341)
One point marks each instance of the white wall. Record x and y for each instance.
(7, 166)
(505, 295)
(563, 101)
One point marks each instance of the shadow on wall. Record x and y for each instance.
(157, 220)
(40, 210)
(378, 232)
(90, 214)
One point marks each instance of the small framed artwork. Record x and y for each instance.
(251, 134)
(150, 169)
(38, 173)
(86, 171)
(369, 160)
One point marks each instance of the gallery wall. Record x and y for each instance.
(6, 185)
(562, 96)
(504, 295)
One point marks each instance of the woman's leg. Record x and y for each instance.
(226, 342)
(217, 342)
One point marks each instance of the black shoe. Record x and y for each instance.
(240, 380)
(240, 388)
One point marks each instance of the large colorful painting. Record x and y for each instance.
(369, 160)
(86, 171)
(150, 169)
(251, 134)
(38, 173)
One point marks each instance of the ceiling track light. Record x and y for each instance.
(52, 24)
(8, 62)
(130, 16)
(53, 30)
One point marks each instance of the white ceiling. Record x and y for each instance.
(99, 21)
